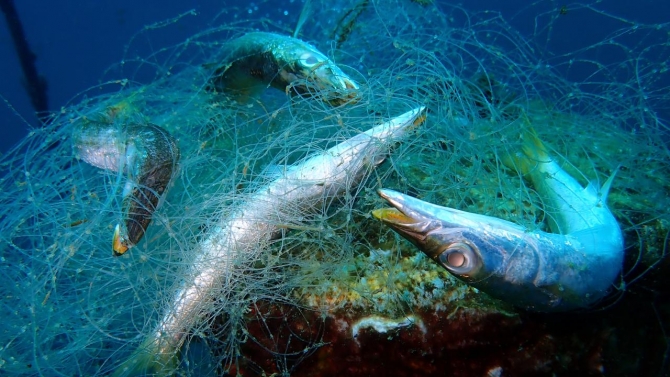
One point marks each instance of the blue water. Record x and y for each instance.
(76, 41)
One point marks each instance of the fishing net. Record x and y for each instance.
(71, 308)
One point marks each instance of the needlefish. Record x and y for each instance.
(239, 238)
(570, 268)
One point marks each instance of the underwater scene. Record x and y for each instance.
(359, 188)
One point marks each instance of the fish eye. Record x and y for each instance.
(308, 60)
(458, 258)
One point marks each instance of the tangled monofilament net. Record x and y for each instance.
(70, 308)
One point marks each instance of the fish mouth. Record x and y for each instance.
(335, 86)
(341, 90)
(392, 215)
(407, 217)
(449, 217)
(347, 83)
(416, 219)
(336, 91)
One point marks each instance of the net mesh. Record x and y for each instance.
(70, 308)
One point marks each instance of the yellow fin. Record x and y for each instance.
(532, 152)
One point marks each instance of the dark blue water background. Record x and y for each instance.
(75, 41)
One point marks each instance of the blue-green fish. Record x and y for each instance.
(572, 267)
(259, 60)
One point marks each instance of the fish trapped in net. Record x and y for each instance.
(145, 155)
(571, 268)
(258, 60)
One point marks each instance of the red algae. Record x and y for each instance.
(467, 342)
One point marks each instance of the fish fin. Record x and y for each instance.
(244, 97)
(119, 241)
(601, 192)
(605, 190)
(532, 152)
(304, 14)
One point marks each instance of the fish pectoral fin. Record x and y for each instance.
(274, 171)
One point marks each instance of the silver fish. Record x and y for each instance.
(258, 60)
(147, 154)
(572, 268)
(300, 191)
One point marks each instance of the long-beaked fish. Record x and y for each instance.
(571, 268)
(146, 154)
(258, 60)
(246, 232)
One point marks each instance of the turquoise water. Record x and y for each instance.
(72, 308)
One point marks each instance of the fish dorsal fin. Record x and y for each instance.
(605, 190)
(304, 14)
(601, 192)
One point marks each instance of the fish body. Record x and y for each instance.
(572, 267)
(147, 154)
(259, 60)
(238, 239)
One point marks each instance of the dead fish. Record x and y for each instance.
(571, 268)
(147, 154)
(298, 192)
(259, 60)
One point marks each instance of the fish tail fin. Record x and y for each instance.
(531, 153)
(149, 359)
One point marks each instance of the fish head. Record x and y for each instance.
(446, 235)
(533, 270)
(311, 73)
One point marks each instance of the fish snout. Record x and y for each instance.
(342, 90)
(405, 219)
(346, 83)
(336, 87)
(424, 225)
